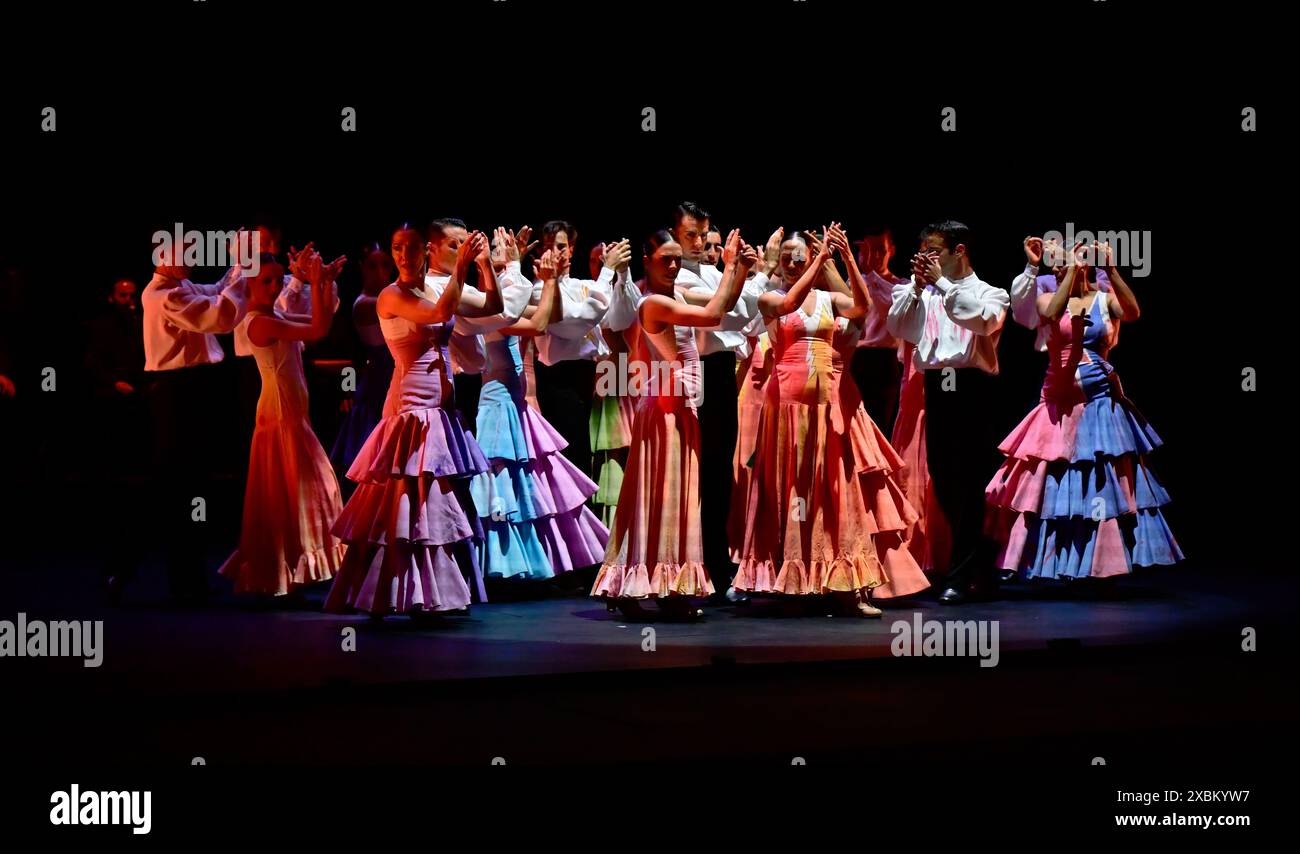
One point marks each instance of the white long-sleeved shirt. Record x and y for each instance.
(954, 324)
(1026, 288)
(583, 306)
(733, 332)
(875, 330)
(468, 352)
(181, 320)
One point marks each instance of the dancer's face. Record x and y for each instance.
(265, 286)
(268, 239)
(949, 258)
(408, 254)
(875, 252)
(559, 241)
(376, 271)
(662, 267)
(442, 250)
(124, 294)
(690, 234)
(794, 260)
(712, 248)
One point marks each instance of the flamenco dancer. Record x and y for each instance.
(534, 500)
(179, 322)
(655, 548)
(809, 530)
(1075, 497)
(612, 410)
(377, 368)
(955, 321)
(1030, 284)
(292, 496)
(411, 528)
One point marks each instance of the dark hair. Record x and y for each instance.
(268, 258)
(656, 239)
(953, 233)
(408, 225)
(686, 209)
(876, 229)
(713, 229)
(555, 226)
(438, 228)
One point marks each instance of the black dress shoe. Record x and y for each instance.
(1009, 576)
(952, 596)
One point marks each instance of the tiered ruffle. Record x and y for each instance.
(611, 434)
(411, 525)
(1075, 497)
(533, 500)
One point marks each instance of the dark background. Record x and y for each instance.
(215, 114)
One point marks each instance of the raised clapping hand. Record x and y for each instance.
(521, 240)
(470, 251)
(548, 266)
(731, 248)
(1034, 250)
(746, 256)
(618, 255)
(1102, 255)
(925, 266)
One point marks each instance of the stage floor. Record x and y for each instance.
(1137, 677)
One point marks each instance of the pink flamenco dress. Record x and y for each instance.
(880, 468)
(655, 547)
(1075, 497)
(411, 526)
(928, 540)
(749, 409)
(292, 495)
(810, 526)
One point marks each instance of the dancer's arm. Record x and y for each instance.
(485, 300)
(1024, 287)
(776, 304)
(548, 307)
(1051, 305)
(266, 328)
(856, 305)
(1121, 296)
(623, 295)
(830, 273)
(399, 302)
(972, 305)
(659, 310)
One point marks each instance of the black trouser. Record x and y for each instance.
(564, 392)
(719, 423)
(961, 451)
(182, 409)
(878, 375)
(468, 387)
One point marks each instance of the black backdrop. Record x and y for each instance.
(212, 114)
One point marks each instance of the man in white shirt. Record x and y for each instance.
(875, 367)
(955, 321)
(564, 367)
(720, 347)
(468, 352)
(181, 321)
